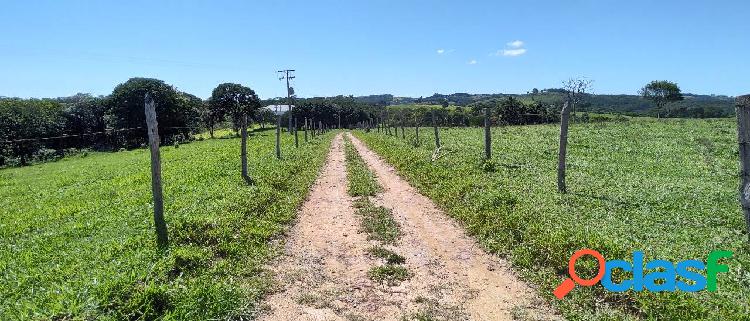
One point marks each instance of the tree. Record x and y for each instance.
(126, 109)
(24, 120)
(192, 106)
(575, 90)
(85, 114)
(661, 92)
(265, 115)
(234, 100)
(208, 118)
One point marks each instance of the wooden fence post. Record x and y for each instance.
(416, 131)
(305, 129)
(296, 140)
(387, 122)
(487, 135)
(278, 136)
(435, 126)
(564, 117)
(162, 239)
(403, 132)
(743, 138)
(243, 149)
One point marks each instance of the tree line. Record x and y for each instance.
(42, 129)
(692, 106)
(49, 128)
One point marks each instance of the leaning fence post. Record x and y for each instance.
(564, 117)
(743, 138)
(487, 135)
(153, 141)
(435, 126)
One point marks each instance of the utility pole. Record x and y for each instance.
(289, 92)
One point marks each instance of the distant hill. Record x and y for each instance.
(694, 106)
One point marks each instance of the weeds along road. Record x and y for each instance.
(323, 274)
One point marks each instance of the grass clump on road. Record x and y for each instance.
(667, 187)
(362, 181)
(77, 239)
(378, 222)
(389, 274)
(389, 256)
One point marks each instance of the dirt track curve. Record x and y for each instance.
(323, 273)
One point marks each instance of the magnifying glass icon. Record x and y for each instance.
(566, 286)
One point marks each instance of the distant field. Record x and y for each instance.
(668, 188)
(77, 237)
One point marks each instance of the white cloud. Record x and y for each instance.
(440, 51)
(515, 44)
(472, 62)
(513, 52)
(514, 49)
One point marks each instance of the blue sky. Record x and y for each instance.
(407, 48)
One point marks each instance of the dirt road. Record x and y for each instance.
(323, 273)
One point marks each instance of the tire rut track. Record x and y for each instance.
(439, 252)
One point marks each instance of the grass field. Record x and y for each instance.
(668, 188)
(77, 238)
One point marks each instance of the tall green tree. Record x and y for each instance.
(661, 93)
(85, 114)
(23, 120)
(233, 100)
(173, 110)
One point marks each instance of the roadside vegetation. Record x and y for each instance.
(390, 274)
(362, 181)
(389, 256)
(666, 187)
(378, 222)
(77, 236)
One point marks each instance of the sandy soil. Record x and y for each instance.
(323, 273)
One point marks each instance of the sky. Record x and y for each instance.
(406, 48)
